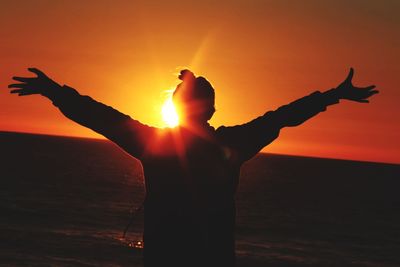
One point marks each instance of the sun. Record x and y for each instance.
(169, 114)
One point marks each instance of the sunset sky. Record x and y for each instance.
(257, 54)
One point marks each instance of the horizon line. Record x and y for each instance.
(261, 152)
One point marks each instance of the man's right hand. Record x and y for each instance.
(41, 84)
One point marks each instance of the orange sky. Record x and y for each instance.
(257, 54)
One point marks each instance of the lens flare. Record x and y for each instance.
(169, 114)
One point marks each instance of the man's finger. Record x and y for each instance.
(38, 72)
(370, 93)
(368, 87)
(350, 75)
(17, 85)
(16, 91)
(25, 93)
(22, 79)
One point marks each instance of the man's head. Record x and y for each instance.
(194, 97)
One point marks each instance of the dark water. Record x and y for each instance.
(66, 201)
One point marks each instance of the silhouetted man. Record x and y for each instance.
(192, 171)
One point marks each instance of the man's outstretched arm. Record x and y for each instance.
(116, 126)
(248, 139)
(307, 107)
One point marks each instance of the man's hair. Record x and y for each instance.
(194, 88)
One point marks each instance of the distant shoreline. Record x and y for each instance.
(263, 153)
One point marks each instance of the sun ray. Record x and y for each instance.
(202, 49)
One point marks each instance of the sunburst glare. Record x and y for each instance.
(169, 113)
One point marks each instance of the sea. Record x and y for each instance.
(66, 201)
